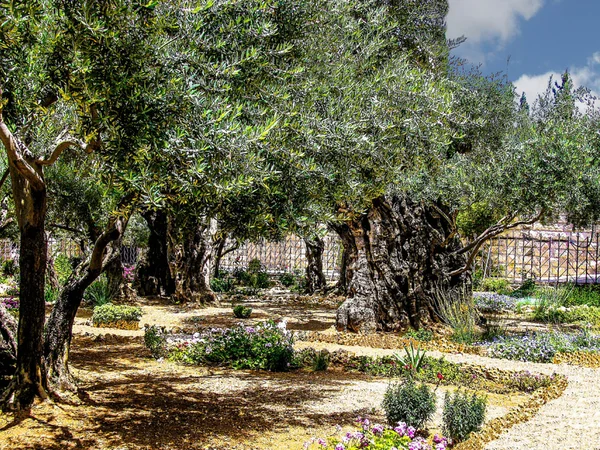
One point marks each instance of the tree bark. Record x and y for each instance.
(348, 254)
(153, 272)
(8, 343)
(59, 330)
(192, 263)
(315, 278)
(398, 254)
(113, 270)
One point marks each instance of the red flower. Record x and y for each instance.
(440, 376)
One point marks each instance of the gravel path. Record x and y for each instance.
(569, 422)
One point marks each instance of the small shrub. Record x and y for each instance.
(527, 289)
(497, 285)
(287, 279)
(320, 361)
(241, 311)
(155, 341)
(410, 403)
(63, 269)
(98, 293)
(457, 309)
(422, 334)
(525, 381)
(492, 303)
(222, 284)
(10, 267)
(109, 314)
(463, 414)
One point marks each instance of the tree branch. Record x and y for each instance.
(63, 145)
(65, 227)
(492, 231)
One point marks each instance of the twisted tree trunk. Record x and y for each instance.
(398, 254)
(8, 344)
(192, 263)
(315, 278)
(153, 272)
(59, 330)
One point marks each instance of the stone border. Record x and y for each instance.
(120, 325)
(582, 359)
(522, 413)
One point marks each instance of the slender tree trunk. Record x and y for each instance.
(114, 271)
(315, 278)
(51, 276)
(399, 253)
(59, 330)
(153, 272)
(192, 262)
(217, 255)
(348, 254)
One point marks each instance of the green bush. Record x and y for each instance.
(241, 311)
(9, 267)
(287, 279)
(410, 403)
(155, 341)
(266, 346)
(62, 266)
(422, 334)
(463, 414)
(527, 289)
(98, 293)
(222, 284)
(573, 314)
(320, 361)
(109, 313)
(497, 285)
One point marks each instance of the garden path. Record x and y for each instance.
(572, 421)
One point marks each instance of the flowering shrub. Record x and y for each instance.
(539, 347)
(525, 381)
(378, 437)
(10, 302)
(155, 341)
(128, 273)
(490, 302)
(267, 346)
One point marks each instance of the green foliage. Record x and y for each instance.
(9, 267)
(412, 361)
(241, 311)
(527, 289)
(109, 313)
(583, 314)
(287, 279)
(63, 268)
(422, 334)
(463, 414)
(98, 293)
(155, 341)
(582, 295)
(497, 285)
(320, 361)
(51, 295)
(266, 346)
(475, 219)
(224, 284)
(410, 403)
(525, 381)
(457, 309)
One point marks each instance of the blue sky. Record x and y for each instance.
(541, 38)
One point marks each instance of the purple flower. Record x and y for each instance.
(322, 442)
(377, 429)
(340, 447)
(410, 432)
(401, 429)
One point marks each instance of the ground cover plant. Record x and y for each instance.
(116, 315)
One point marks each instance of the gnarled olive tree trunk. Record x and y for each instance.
(398, 254)
(153, 272)
(192, 257)
(315, 278)
(8, 343)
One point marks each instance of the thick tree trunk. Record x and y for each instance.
(8, 344)
(315, 278)
(153, 272)
(218, 247)
(192, 262)
(348, 254)
(399, 253)
(114, 271)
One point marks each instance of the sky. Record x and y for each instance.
(530, 40)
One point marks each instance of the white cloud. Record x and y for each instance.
(481, 20)
(485, 21)
(587, 76)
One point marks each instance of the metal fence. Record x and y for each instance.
(287, 255)
(544, 256)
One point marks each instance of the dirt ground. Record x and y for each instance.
(130, 401)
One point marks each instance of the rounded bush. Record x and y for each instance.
(410, 403)
(463, 414)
